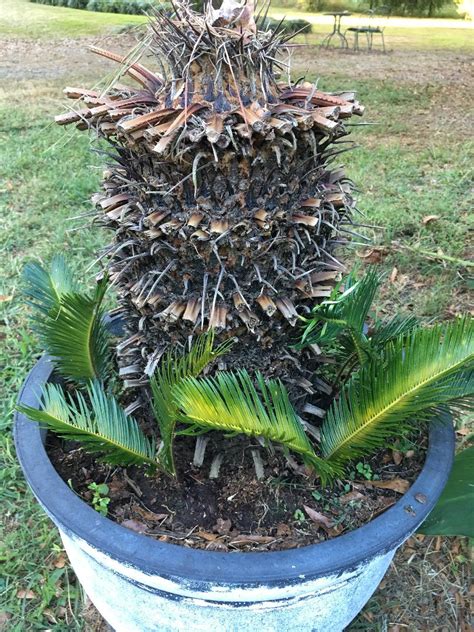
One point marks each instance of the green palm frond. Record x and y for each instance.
(175, 367)
(44, 288)
(385, 331)
(76, 336)
(101, 426)
(69, 323)
(348, 310)
(418, 373)
(357, 348)
(231, 403)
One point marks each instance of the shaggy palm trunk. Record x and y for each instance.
(225, 207)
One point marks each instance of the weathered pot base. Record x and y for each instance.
(326, 604)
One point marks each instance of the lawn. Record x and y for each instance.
(20, 18)
(414, 170)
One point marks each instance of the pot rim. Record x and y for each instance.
(175, 562)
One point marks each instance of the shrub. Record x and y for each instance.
(287, 26)
(75, 4)
(130, 7)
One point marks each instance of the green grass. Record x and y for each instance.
(20, 18)
(43, 181)
(405, 170)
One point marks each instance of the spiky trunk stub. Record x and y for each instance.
(225, 207)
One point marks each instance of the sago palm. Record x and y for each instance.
(224, 195)
(226, 212)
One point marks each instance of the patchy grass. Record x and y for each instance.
(414, 163)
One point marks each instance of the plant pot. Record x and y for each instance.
(141, 585)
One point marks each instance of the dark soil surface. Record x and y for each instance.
(286, 508)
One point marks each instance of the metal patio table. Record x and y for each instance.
(336, 29)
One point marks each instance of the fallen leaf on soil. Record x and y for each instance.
(350, 496)
(373, 255)
(252, 539)
(134, 525)
(398, 485)
(60, 562)
(222, 526)
(49, 614)
(283, 530)
(429, 218)
(387, 502)
(217, 545)
(318, 518)
(25, 594)
(397, 457)
(210, 537)
(150, 515)
(393, 275)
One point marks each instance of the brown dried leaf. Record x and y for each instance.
(252, 539)
(283, 530)
(134, 525)
(387, 502)
(373, 255)
(393, 275)
(350, 496)
(151, 515)
(210, 537)
(399, 485)
(397, 457)
(60, 561)
(49, 614)
(223, 526)
(429, 218)
(25, 594)
(318, 518)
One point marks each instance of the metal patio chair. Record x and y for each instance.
(370, 29)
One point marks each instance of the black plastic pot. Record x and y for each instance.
(142, 585)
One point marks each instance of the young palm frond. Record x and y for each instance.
(44, 288)
(419, 373)
(356, 348)
(172, 370)
(347, 311)
(70, 324)
(230, 402)
(385, 332)
(101, 427)
(77, 338)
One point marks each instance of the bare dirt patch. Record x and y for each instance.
(429, 67)
(68, 58)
